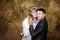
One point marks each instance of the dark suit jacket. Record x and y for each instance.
(40, 32)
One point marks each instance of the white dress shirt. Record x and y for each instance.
(35, 22)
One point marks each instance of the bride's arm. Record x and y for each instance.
(25, 26)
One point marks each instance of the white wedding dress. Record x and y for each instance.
(26, 33)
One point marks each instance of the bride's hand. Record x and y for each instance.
(30, 21)
(21, 32)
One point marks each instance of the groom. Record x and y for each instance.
(40, 31)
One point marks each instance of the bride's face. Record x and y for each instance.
(34, 14)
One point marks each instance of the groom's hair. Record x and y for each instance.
(41, 9)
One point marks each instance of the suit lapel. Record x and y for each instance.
(37, 25)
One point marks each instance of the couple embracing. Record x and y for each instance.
(35, 25)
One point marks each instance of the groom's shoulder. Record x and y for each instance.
(43, 22)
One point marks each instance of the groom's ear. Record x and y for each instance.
(44, 15)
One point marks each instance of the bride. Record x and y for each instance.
(26, 23)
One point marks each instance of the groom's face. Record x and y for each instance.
(40, 15)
